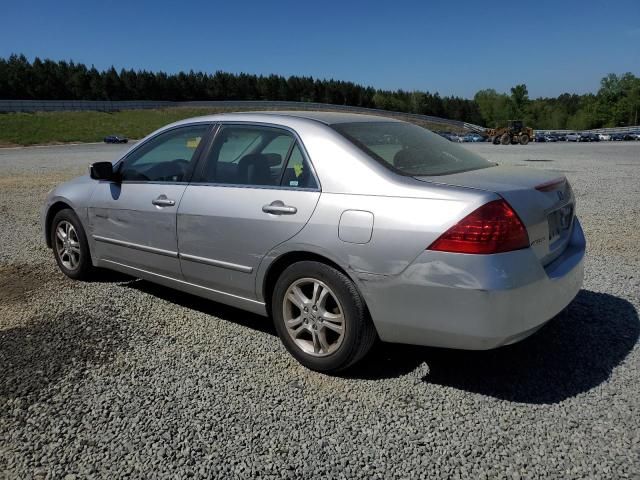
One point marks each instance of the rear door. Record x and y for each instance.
(133, 220)
(254, 190)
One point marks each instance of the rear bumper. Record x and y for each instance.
(474, 302)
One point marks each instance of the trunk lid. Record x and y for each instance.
(542, 199)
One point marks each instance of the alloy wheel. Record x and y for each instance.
(68, 245)
(313, 317)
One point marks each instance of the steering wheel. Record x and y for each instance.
(181, 161)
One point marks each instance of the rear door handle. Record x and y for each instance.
(163, 201)
(278, 207)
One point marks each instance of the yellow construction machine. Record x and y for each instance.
(515, 132)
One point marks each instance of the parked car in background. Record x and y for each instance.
(604, 137)
(452, 137)
(573, 137)
(540, 137)
(617, 137)
(561, 137)
(115, 139)
(342, 228)
(550, 138)
(473, 137)
(635, 135)
(588, 137)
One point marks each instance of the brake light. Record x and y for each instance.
(492, 228)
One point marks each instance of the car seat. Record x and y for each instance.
(253, 169)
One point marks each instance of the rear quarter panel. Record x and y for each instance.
(402, 229)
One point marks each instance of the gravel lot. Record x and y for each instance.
(120, 378)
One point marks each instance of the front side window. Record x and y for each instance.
(409, 149)
(165, 158)
(259, 156)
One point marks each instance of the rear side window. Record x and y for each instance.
(257, 156)
(410, 150)
(298, 173)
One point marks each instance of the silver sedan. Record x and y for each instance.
(342, 228)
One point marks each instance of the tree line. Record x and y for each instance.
(615, 104)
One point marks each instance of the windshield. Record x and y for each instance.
(409, 149)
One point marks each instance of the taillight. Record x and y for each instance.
(492, 228)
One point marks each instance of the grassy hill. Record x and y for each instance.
(68, 127)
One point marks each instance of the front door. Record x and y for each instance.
(256, 189)
(133, 219)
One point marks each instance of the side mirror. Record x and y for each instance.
(101, 171)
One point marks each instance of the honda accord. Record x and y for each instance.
(342, 228)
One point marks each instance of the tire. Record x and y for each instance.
(344, 343)
(524, 139)
(505, 139)
(73, 258)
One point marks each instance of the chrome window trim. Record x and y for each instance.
(142, 182)
(258, 187)
(218, 126)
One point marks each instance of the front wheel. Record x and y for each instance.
(70, 246)
(524, 139)
(320, 317)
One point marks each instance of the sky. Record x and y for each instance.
(454, 48)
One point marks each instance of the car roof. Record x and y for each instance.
(285, 116)
(331, 118)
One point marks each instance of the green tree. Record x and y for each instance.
(617, 102)
(495, 108)
(520, 99)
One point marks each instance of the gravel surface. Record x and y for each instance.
(120, 378)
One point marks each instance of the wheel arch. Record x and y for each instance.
(51, 213)
(280, 263)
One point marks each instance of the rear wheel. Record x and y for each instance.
(524, 139)
(320, 317)
(70, 246)
(505, 139)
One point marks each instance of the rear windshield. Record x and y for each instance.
(409, 149)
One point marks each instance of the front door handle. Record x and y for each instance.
(279, 208)
(163, 201)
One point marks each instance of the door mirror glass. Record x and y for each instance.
(101, 171)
